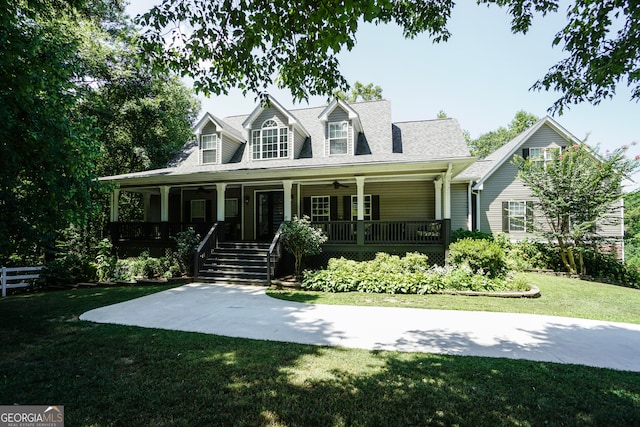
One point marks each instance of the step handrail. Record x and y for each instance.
(209, 242)
(275, 247)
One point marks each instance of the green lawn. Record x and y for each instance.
(560, 297)
(109, 375)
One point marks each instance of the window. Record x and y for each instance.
(541, 154)
(338, 136)
(198, 210)
(270, 142)
(320, 208)
(208, 151)
(517, 216)
(367, 207)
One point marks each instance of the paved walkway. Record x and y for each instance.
(245, 311)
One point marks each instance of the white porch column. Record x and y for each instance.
(469, 207)
(287, 185)
(164, 203)
(146, 200)
(447, 195)
(437, 184)
(360, 198)
(115, 201)
(220, 187)
(478, 210)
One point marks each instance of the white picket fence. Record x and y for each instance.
(18, 277)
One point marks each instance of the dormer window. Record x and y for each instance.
(270, 141)
(338, 137)
(208, 149)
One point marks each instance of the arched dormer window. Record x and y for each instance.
(270, 141)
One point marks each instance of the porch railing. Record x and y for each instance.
(339, 231)
(274, 254)
(205, 249)
(132, 231)
(386, 232)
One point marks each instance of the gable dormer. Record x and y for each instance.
(342, 127)
(217, 141)
(273, 132)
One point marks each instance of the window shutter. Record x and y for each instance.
(306, 206)
(333, 208)
(346, 208)
(529, 218)
(525, 153)
(505, 217)
(375, 207)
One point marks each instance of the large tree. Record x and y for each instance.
(48, 150)
(489, 142)
(577, 192)
(75, 105)
(227, 44)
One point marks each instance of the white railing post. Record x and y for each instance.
(4, 281)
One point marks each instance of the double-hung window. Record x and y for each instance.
(270, 141)
(208, 148)
(320, 208)
(367, 207)
(542, 155)
(338, 138)
(517, 216)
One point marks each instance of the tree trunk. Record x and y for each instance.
(566, 254)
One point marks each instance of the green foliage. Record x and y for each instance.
(300, 238)
(364, 92)
(300, 44)
(411, 274)
(489, 142)
(105, 262)
(481, 256)
(460, 234)
(186, 245)
(576, 192)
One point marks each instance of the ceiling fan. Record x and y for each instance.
(337, 185)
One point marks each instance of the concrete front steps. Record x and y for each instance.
(236, 263)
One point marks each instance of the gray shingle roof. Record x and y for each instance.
(417, 141)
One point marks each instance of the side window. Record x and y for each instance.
(517, 216)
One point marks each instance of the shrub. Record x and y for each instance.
(300, 238)
(186, 245)
(460, 234)
(481, 256)
(392, 274)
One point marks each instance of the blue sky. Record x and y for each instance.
(481, 76)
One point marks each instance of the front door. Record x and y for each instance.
(269, 213)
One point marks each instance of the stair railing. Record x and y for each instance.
(275, 252)
(205, 249)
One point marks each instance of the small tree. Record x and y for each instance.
(576, 191)
(301, 238)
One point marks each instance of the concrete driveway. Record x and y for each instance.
(246, 312)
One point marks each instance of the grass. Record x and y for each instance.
(560, 297)
(110, 375)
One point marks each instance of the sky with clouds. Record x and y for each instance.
(481, 76)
